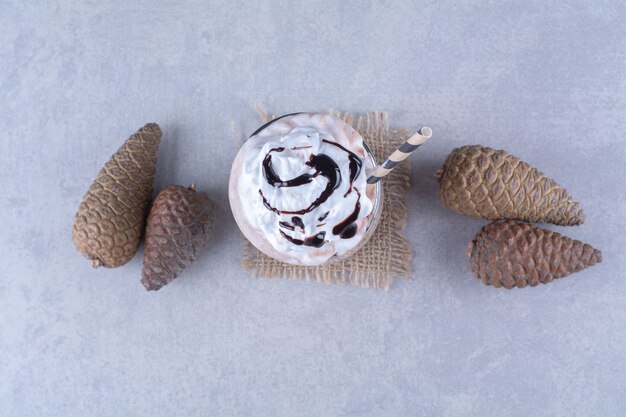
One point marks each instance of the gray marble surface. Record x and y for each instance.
(544, 80)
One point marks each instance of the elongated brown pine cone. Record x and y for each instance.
(178, 227)
(112, 214)
(515, 254)
(482, 182)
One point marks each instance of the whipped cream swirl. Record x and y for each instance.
(303, 185)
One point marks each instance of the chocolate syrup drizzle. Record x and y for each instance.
(347, 228)
(297, 221)
(355, 163)
(287, 226)
(316, 241)
(323, 216)
(322, 165)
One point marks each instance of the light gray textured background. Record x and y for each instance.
(544, 80)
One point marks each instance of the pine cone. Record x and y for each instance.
(111, 216)
(514, 254)
(178, 227)
(491, 184)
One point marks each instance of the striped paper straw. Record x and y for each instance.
(400, 154)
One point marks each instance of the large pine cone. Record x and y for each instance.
(178, 227)
(112, 214)
(492, 184)
(514, 254)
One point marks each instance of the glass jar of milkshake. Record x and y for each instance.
(298, 189)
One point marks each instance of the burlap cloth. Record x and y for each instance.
(387, 254)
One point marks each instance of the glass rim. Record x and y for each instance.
(379, 187)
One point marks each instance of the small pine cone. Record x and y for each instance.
(491, 184)
(178, 227)
(514, 254)
(112, 214)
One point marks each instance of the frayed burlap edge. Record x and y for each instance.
(387, 254)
